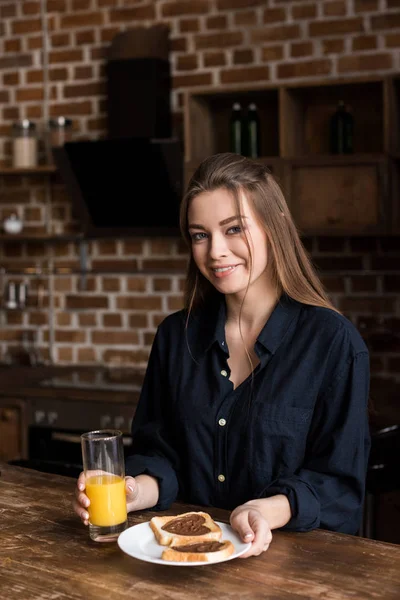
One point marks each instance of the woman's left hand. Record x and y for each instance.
(253, 527)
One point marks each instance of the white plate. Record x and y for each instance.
(139, 541)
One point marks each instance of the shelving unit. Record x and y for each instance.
(324, 191)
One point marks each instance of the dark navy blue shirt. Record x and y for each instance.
(296, 426)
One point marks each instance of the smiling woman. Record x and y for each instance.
(255, 395)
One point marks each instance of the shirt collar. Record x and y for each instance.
(209, 327)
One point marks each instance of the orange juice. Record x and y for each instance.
(107, 500)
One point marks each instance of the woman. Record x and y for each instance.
(255, 396)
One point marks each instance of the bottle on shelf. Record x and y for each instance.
(253, 132)
(237, 130)
(341, 130)
(25, 144)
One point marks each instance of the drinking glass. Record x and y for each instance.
(104, 466)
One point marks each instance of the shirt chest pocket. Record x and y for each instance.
(278, 440)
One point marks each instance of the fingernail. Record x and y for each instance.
(80, 486)
(248, 536)
(130, 488)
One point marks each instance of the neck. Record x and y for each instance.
(251, 310)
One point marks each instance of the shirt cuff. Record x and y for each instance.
(304, 504)
(157, 467)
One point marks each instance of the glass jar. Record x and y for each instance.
(25, 144)
(60, 131)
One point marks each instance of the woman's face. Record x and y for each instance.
(219, 245)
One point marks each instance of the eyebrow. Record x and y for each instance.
(224, 222)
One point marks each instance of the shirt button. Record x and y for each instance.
(222, 422)
(222, 343)
(221, 478)
(224, 373)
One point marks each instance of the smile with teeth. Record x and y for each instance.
(224, 269)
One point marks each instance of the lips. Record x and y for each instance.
(223, 271)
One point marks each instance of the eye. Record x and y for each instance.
(198, 237)
(234, 229)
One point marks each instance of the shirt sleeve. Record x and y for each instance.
(328, 491)
(152, 452)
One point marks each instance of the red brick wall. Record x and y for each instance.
(213, 42)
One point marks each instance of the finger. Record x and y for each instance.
(131, 488)
(81, 483)
(81, 512)
(82, 498)
(262, 534)
(240, 522)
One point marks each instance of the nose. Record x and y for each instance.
(218, 247)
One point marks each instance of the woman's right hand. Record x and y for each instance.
(81, 502)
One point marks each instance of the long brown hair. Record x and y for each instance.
(291, 268)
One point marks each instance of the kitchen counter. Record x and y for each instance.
(45, 552)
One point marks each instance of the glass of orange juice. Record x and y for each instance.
(104, 466)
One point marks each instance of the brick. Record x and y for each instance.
(138, 320)
(20, 60)
(333, 283)
(365, 5)
(367, 305)
(35, 76)
(35, 43)
(391, 283)
(13, 45)
(29, 94)
(113, 266)
(64, 319)
(369, 62)
(331, 244)
(72, 108)
(63, 284)
(12, 250)
(97, 124)
(249, 74)
(70, 336)
(20, 27)
(363, 244)
(338, 8)
(338, 263)
(149, 338)
(139, 303)
(110, 284)
(191, 80)
(106, 35)
(125, 357)
(66, 56)
(89, 19)
(389, 21)
(243, 56)
(185, 7)
(136, 13)
(309, 68)
(86, 355)
(393, 3)
(136, 284)
(389, 244)
(64, 354)
(58, 74)
(234, 4)
(99, 53)
(82, 301)
(112, 320)
(392, 40)
(271, 53)
(308, 11)
(34, 111)
(187, 62)
(216, 22)
(4, 96)
(178, 44)
(218, 40)
(214, 59)
(274, 15)
(271, 34)
(83, 72)
(189, 25)
(175, 302)
(60, 39)
(87, 320)
(336, 27)
(301, 49)
(246, 18)
(363, 283)
(161, 246)
(82, 90)
(364, 42)
(162, 284)
(81, 4)
(132, 247)
(112, 338)
(9, 10)
(37, 319)
(56, 6)
(11, 78)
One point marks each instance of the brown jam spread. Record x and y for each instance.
(200, 547)
(189, 525)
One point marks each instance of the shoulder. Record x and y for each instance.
(172, 326)
(332, 327)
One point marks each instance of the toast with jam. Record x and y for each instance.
(187, 528)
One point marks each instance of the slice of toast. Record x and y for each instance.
(209, 551)
(190, 527)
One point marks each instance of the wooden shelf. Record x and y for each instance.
(40, 170)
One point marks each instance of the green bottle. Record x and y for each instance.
(341, 131)
(253, 132)
(237, 130)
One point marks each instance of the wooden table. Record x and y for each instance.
(46, 554)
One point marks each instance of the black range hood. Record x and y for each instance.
(131, 182)
(125, 186)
